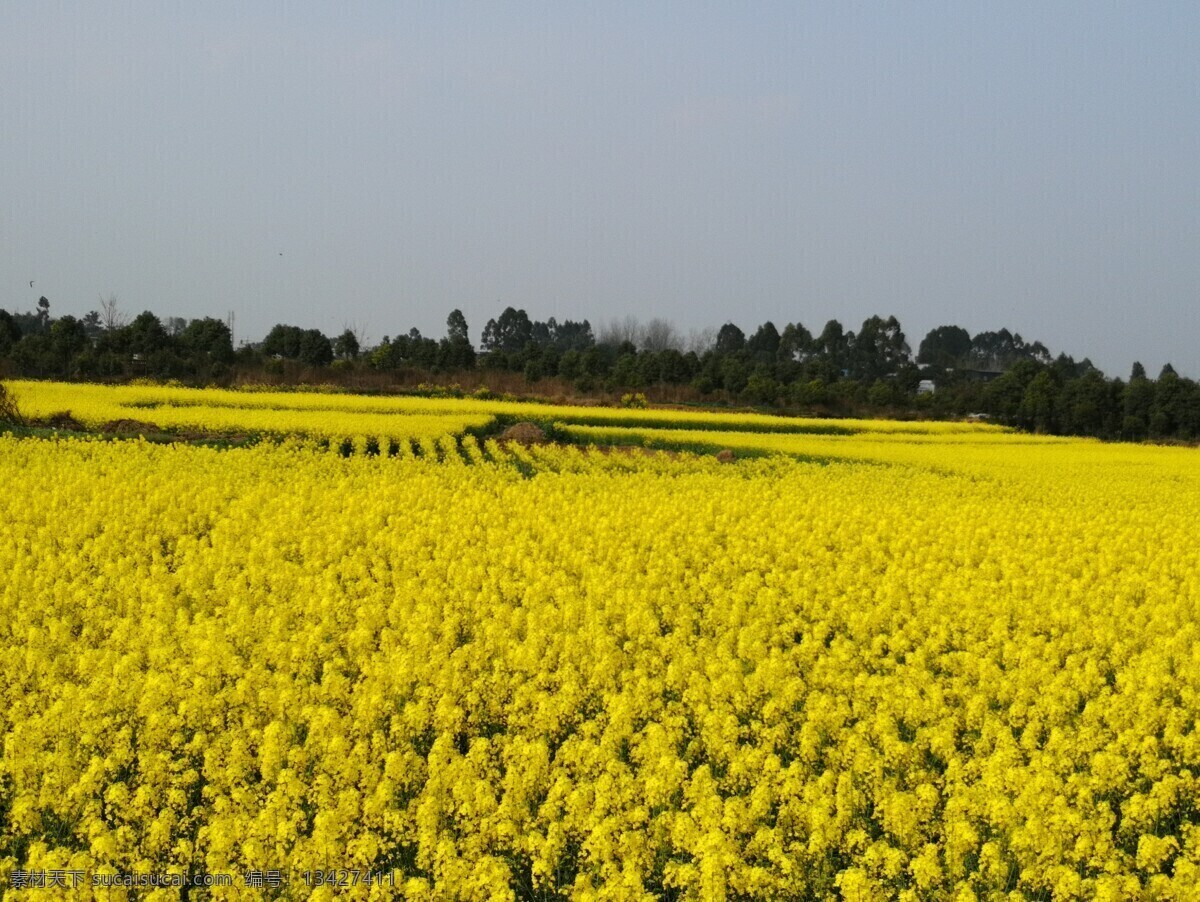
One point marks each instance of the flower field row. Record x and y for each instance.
(1025, 458)
(967, 669)
(159, 406)
(337, 416)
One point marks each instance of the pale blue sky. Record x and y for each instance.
(1034, 166)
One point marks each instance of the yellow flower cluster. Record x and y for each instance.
(963, 669)
(340, 416)
(211, 410)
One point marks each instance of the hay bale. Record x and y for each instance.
(524, 434)
(64, 420)
(725, 456)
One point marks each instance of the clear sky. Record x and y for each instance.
(1034, 166)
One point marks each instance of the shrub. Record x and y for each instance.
(9, 412)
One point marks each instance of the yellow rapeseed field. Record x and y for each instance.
(868, 666)
(342, 416)
(222, 411)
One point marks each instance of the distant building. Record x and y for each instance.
(925, 387)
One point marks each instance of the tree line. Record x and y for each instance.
(835, 371)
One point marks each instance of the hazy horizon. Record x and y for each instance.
(1025, 166)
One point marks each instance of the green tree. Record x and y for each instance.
(882, 394)
(455, 350)
(945, 346)
(734, 374)
(68, 338)
(1002, 350)
(808, 393)
(456, 327)
(509, 333)
(91, 322)
(730, 339)
(795, 342)
(345, 346)
(146, 334)
(834, 346)
(761, 387)
(765, 340)
(1136, 402)
(625, 372)
(879, 349)
(208, 338)
(570, 335)
(1167, 407)
(315, 348)
(283, 341)
(309, 346)
(10, 332)
(1004, 396)
(43, 314)
(1086, 407)
(1189, 410)
(1038, 409)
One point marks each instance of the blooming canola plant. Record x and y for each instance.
(921, 664)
